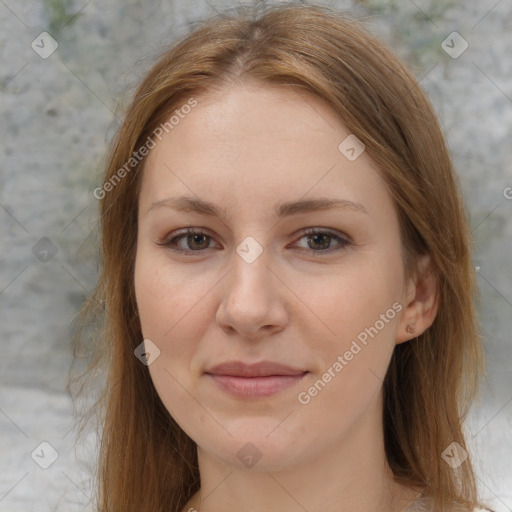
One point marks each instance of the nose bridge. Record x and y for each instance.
(250, 276)
(250, 300)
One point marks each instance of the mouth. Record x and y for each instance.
(254, 380)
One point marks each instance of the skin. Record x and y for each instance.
(249, 149)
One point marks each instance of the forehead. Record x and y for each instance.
(257, 144)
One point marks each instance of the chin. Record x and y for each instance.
(252, 448)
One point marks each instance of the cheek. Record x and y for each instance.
(355, 341)
(170, 316)
(344, 303)
(356, 313)
(174, 313)
(165, 295)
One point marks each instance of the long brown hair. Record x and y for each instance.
(147, 463)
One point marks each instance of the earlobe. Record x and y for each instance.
(422, 302)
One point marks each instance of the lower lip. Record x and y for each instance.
(255, 386)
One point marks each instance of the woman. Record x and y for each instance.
(287, 279)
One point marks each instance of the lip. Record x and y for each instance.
(261, 369)
(255, 380)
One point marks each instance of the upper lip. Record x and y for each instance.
(261, 369)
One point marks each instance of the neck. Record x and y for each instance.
(352, 474)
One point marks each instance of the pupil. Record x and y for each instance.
(320, 235)
(195, 239)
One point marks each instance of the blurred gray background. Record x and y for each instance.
(58, 109)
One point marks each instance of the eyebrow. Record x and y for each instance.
(192, 204)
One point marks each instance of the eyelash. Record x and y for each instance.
(170, 243)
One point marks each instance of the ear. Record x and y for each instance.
(421, 302)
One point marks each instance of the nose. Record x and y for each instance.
(253, 300)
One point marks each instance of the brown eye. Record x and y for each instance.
(318, 241)
(321, 241)
(188, 241)
(197, 242)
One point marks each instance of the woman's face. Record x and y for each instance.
(252, 285)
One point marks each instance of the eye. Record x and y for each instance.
(194, 240)
(319, 241)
